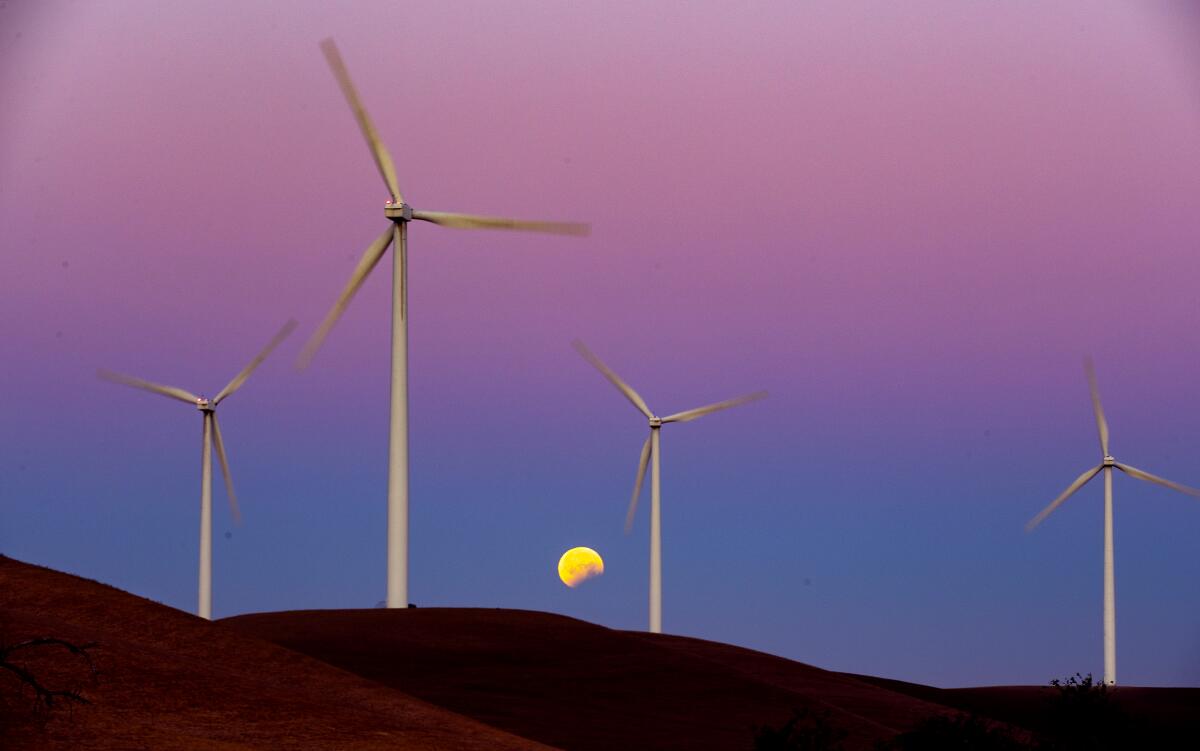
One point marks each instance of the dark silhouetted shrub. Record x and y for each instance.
(954, 733)
(805, 731)
(1084, 716)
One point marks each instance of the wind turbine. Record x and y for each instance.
(650, 450)
(1107, 463)
(399, 213)
(211, 438)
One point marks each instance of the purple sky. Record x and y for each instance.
(909, 222)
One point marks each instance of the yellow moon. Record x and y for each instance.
(578, 564)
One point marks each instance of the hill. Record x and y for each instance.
(577, 685)
(1161, 714)
(169, 680)
(444, 678)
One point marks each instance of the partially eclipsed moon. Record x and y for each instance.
(579, 564)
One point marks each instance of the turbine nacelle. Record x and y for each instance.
(1108, 461)
(655, 422)
(398, 211)
(204, 404)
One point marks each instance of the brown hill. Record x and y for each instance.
(169, 680)
(576, 685)
(1161, 713)
(442, 678)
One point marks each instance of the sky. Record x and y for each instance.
(908, 222)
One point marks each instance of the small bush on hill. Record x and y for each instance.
(953, 733)
(1084, 716)
(805, 731)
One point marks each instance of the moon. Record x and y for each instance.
(578, 565)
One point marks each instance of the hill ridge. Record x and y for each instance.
(170, 680)
(579, 685)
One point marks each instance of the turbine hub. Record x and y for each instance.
(1109, 461)
(203, 404)
(655, 422)
(397, 212)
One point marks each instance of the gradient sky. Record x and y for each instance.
(909, 222)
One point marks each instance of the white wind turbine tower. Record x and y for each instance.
(1106, 465)
(211, 438)
(650, 450)
(399, 214)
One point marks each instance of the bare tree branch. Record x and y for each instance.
(45, 696)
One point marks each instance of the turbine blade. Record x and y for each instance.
(1079, 483)
(1101, 423)
(383, 160)
(369, 258)
(157, 388)
(692, 414)
(471, 221)
(624, 388)
(1142, 475)
(220, 447)
(637, 484)
(240, 378)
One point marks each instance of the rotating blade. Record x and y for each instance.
(157, 388)
(368, 261)
(383, 160)
(637, 483)
(1143, 475)
(240, 378)
(224, 460)
(623, 387)
(1101, 423)
(692, 414)
(1079, 483)
(471, 221)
